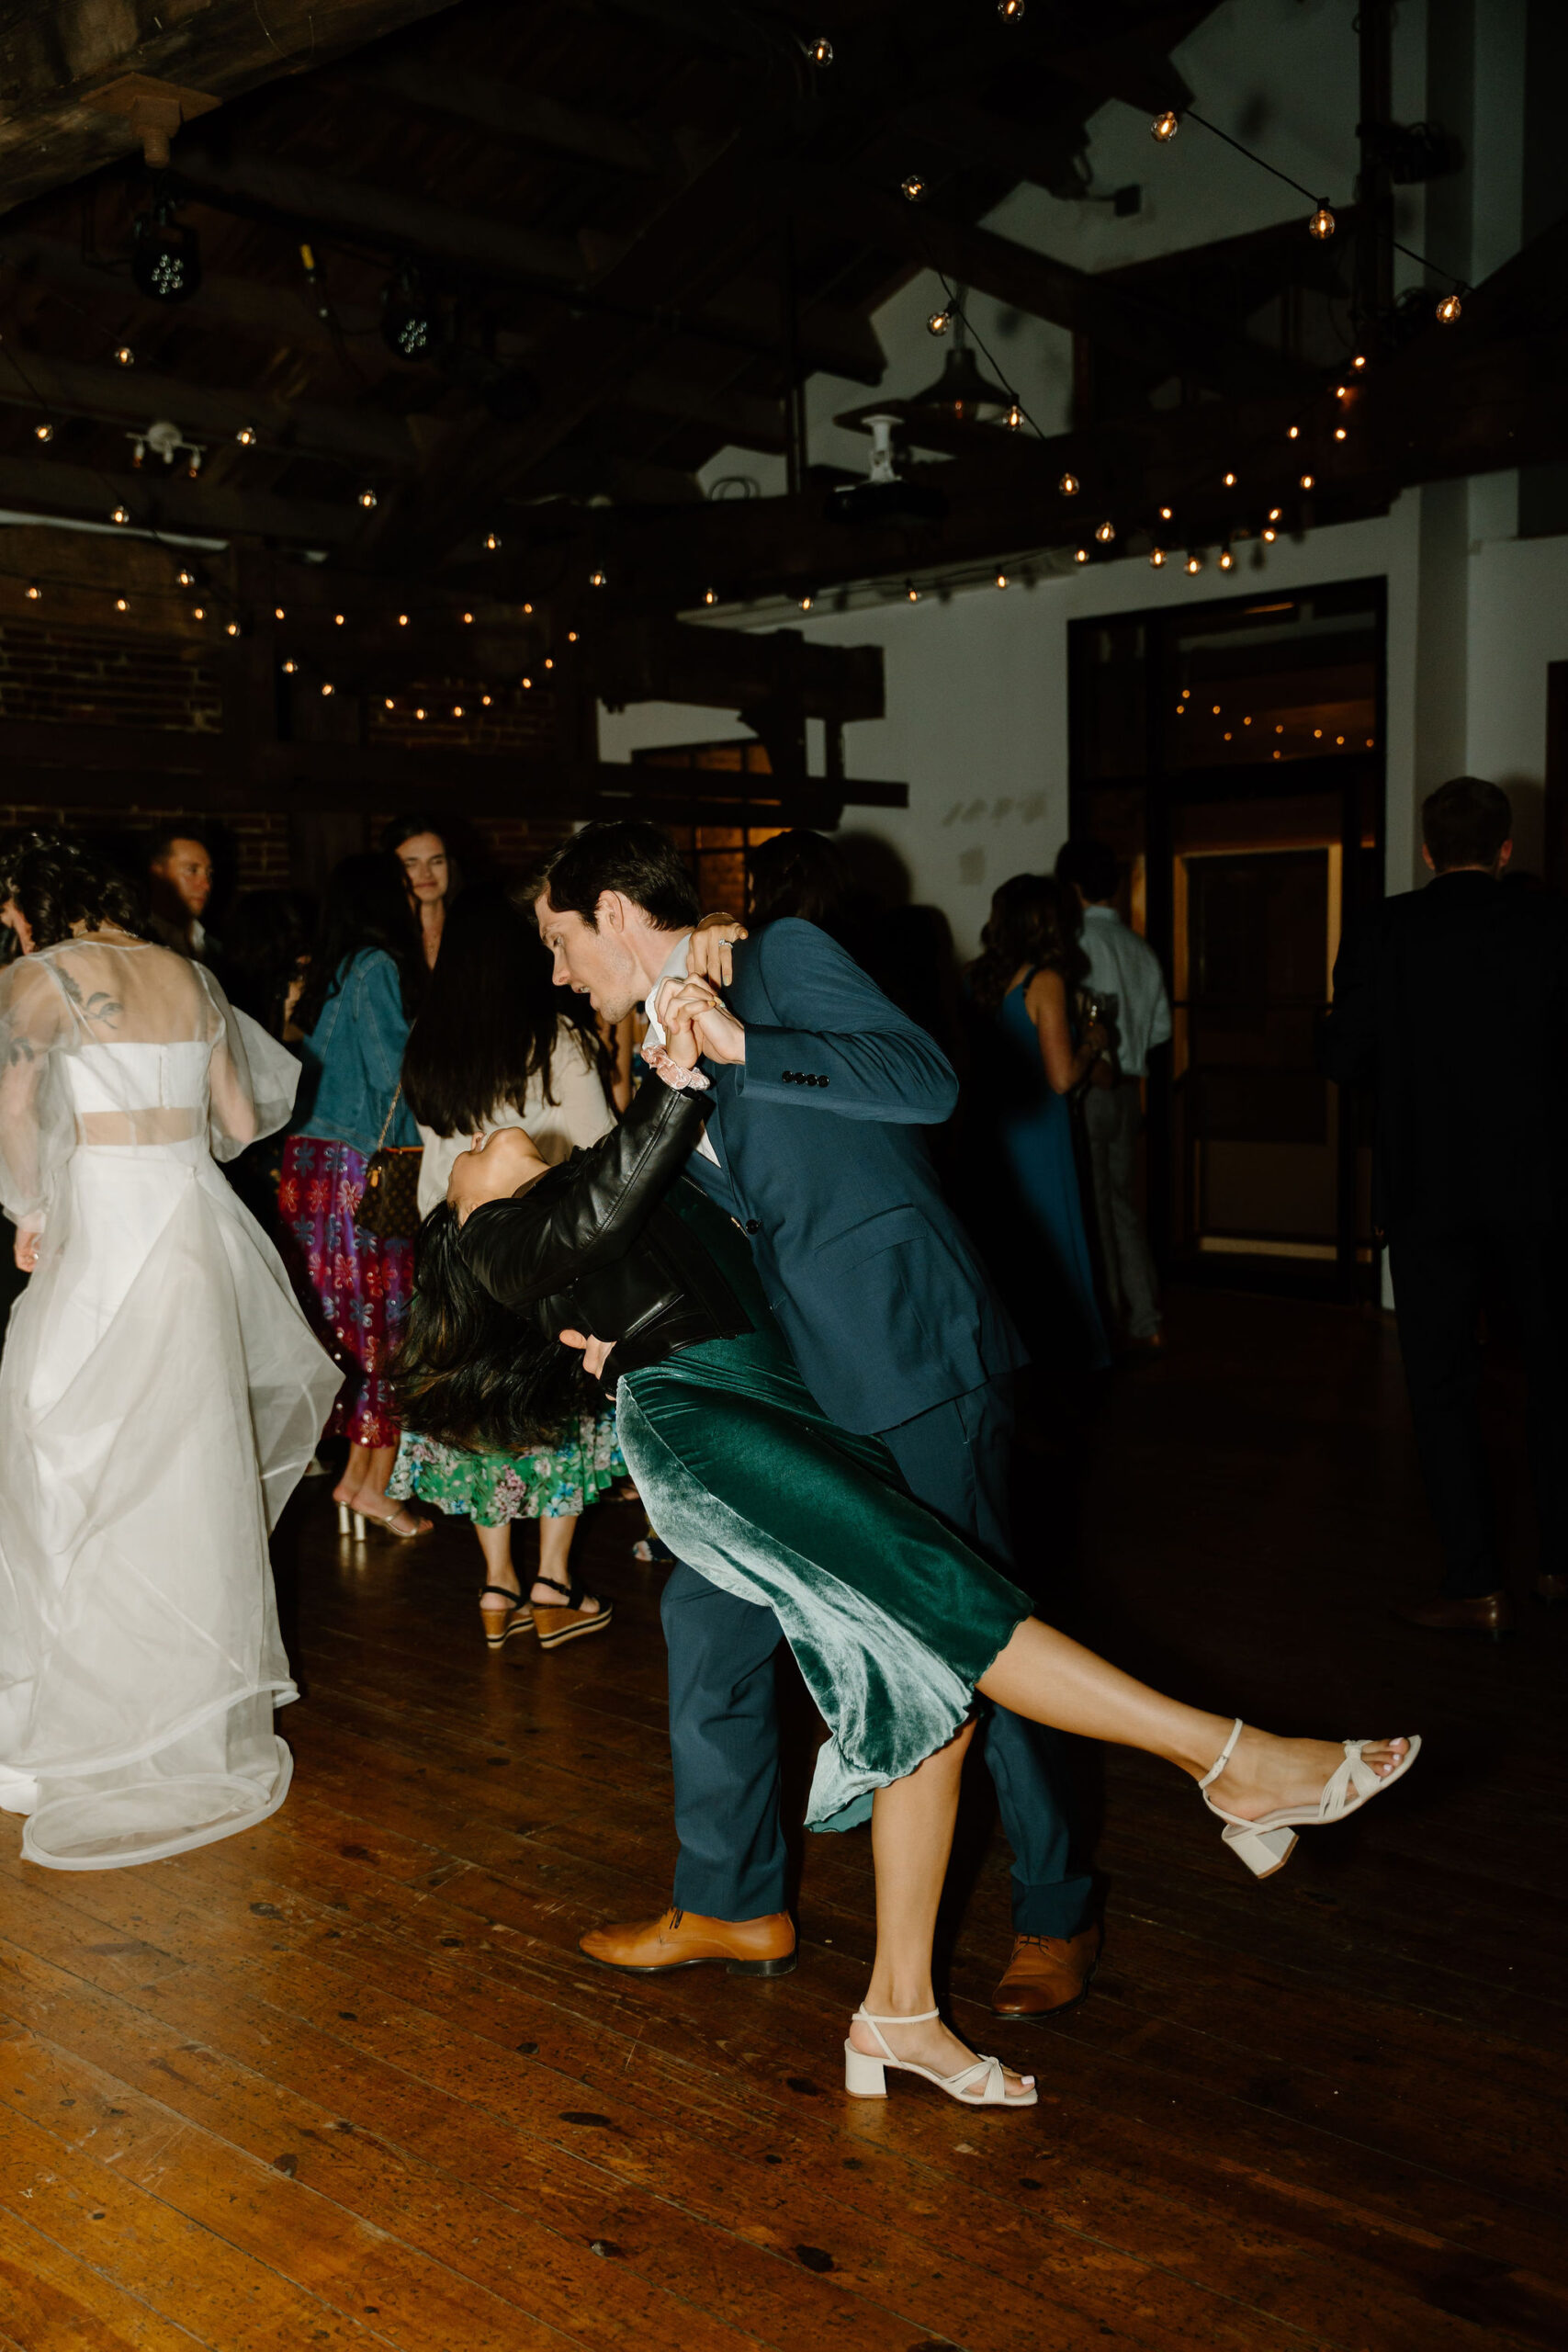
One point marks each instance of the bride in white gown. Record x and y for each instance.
(160, 1391)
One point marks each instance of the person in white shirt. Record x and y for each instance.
(1125, 976)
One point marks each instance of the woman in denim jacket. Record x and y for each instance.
(358, 1002)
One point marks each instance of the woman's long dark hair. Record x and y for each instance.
(469, 1372)
(56, 880)
(798, 873)
(266, 938)
(489, 1018)
(365, 905)
(1034, 920)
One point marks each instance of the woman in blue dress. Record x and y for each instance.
(1037, 1054)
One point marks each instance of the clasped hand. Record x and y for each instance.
(696, 1022)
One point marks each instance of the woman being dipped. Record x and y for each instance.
(895, 1623)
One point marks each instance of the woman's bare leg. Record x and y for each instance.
(495, 1542)
(555, 1560)
(1052, 1679)
(911, 1839)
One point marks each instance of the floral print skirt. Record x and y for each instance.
(356, 1288)
(493, 1489)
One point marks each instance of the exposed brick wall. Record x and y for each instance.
(80, 678)
(494, 718)
(253, 849)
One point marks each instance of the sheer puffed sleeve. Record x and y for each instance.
(252, 1077)
(38, 1128)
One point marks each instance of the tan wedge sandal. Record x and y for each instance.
(1265, 1845)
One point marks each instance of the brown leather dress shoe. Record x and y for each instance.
(684, 1939)
(1486, 1613)
(1047, 1973)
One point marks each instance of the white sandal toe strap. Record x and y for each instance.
(1354, 1773)
(993, 2090)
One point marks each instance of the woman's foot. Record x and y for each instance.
(396, 1518)
(1267, 1775)
(928, 2044)
(563, 1612)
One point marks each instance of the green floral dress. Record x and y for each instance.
(493, 1489)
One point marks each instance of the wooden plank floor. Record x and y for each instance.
(346, 2082)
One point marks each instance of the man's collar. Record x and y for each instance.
(672, 969)
(1109, 913)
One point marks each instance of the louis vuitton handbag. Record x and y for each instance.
(388, 1208)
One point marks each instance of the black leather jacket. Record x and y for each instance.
(593, 1247)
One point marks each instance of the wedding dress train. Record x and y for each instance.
(160, 1395)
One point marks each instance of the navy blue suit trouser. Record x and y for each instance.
(723, 1718)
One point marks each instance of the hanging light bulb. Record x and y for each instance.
(596, 579)
(550, 661)
(467, 620)
(368, 498)
(1105, 533)
(1294, 433)
(121, 606)
(1358, 362)
(1227, 560)
(1321, 225)
(1230, 481)
(939, 322)
(120, 514)
(572, 637)
(419, 713)
(491, 542)
(198, 612)
(1194, 564)
(1013, 420)
(913, 594)
(1156, 557)
(913, 187)
(33, 592)
(290, 668)
(246, 436)
(1001, 580)
(1080, 555)
(1068, 485)
(710, 595)
(1165, 126)
(339, 619)
(44, 431)
(456, 710)
(193, 465)
(1165, 514)
(389, 703)
(1011, 11)
(484, 700)
(1270, 534)
(402, 620)
(232, 629)
(187, 580)
(806, 601)
(1449, 308)
(1276, 514)
(526, 684)
(1307, 481)
(328, 687)
(527, 608)
(124, 355)
(821, 50)
(1340, 434)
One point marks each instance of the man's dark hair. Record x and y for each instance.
(1090, 866)
(164, 839)
(627, 854)
(1465, 822)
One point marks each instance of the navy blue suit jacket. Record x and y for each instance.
(822, 1159)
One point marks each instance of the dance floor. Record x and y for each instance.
(346, 2082)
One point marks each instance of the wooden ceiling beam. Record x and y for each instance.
(1166, 341)
(750, 420)
(277, 317)
(59, 57)
(385, 218)
(172, 502)
(508, 112)
(132, 397)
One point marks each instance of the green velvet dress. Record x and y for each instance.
(892, 1619)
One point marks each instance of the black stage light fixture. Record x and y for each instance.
(409, 321)
(165, 256)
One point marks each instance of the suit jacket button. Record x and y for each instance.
(822, 1082)
(789, 1077)
(753, 1224)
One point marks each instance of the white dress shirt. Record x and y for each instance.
(1124, 974)
(578, 1117)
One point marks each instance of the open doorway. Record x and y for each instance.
(1232, 755)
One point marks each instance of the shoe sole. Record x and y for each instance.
(1032, 2016)
(782, 1967)
(596, 1624)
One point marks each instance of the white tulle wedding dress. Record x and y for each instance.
(159, 1394)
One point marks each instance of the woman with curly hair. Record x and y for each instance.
(160, 1394)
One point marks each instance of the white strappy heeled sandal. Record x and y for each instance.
(981, 2084)
(1265, 1845)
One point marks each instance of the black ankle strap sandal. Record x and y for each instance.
(577, 1622)
(519, 1621)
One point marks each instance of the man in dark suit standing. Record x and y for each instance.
(814, 1146)
(1454, 1003)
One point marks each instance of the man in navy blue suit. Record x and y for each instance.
(814, 1146)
